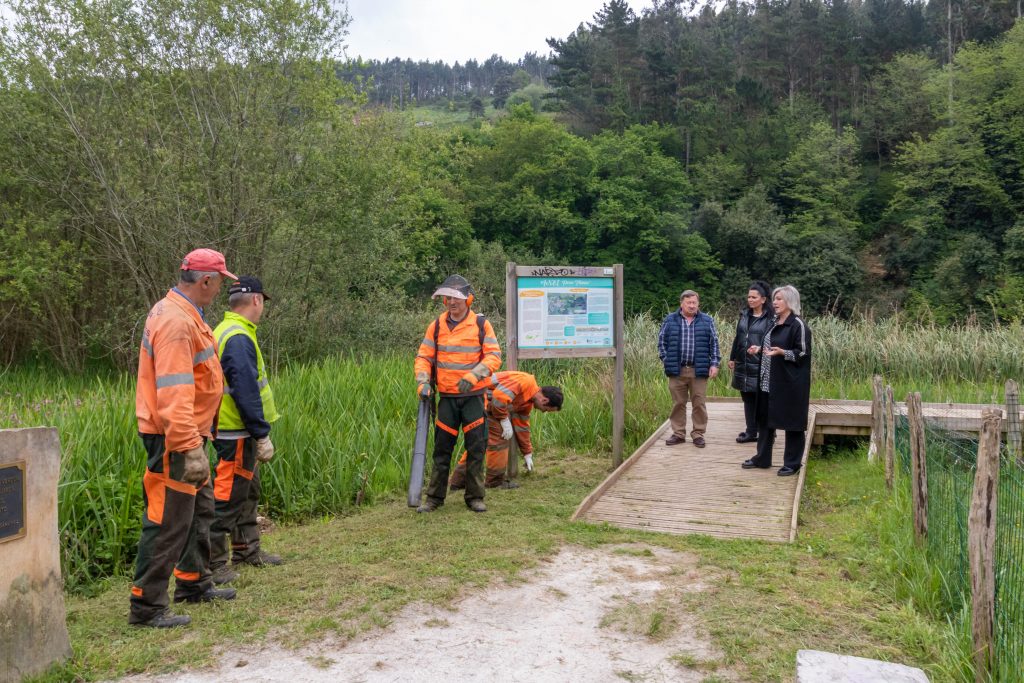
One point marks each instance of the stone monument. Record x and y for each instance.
(33, 632)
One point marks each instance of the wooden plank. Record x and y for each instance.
(890, 437)
(776, 530)
(619, 471)
(981, 547)
(511, 353)
(918, 468)
(811, 420)
(564, 271)
(619, 397)
(603, 352)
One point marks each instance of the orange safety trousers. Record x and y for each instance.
(175, 533)
(495, 458)
(236, 492)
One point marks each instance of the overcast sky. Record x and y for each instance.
(457, 30)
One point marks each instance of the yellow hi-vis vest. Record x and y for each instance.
(229, 424)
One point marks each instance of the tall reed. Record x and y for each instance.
(346, 431)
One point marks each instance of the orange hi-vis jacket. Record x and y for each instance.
(180, 381)
(458, 351)
(511, 392)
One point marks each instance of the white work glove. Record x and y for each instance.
(197, 466)
(528, 457)
(506, 429)
(264, 449)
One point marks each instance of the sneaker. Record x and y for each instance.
(428, 506)
(261, 558)
(208, 595)
(166, 619)
(476, 505)
(224, 574)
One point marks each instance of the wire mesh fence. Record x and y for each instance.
(951, 452)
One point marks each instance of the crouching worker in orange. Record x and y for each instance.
(458, 350)
(511, 397)
(178, 393)
(243, 433)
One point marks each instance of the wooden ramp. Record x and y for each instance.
(688, 490)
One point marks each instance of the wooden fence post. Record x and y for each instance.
(918, 467)
(890, 437)
(876, 418)
(1012, 397)
(981, 546)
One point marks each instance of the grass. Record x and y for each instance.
(345, 432)
(840, 588)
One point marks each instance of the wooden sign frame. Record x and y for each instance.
(513, 353)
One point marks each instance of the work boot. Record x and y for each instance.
(223, 574)
(476, 505)
(428, 506)
(208, 595)
(167, 619)
(261, 558)
(509, 485)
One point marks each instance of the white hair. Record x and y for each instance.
(193, 276)
(790, 296)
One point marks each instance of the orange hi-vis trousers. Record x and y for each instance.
(495, 458)
(236, 491)
(175, 533)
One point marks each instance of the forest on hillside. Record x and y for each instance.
(870, 152)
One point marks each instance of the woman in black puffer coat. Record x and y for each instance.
(750, 331)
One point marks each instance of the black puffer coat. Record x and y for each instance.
(749, 332)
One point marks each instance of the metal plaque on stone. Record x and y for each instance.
(12, 500)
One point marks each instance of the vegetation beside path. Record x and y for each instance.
(838, 588)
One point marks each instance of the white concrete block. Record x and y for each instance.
(814, 666)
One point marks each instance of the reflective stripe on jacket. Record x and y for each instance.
(245, 379)
(179, 382)
(510, 394)
(457, 352)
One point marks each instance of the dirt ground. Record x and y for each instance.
(587, 615)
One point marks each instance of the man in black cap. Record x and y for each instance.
(243, 433)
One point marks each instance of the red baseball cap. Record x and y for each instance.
(207, 260)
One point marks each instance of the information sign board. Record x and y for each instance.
(566, 312)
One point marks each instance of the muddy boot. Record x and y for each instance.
(167, 619)
(223, 574)
(261, 558)
(509, 485)
(476, 505)
(428, 506)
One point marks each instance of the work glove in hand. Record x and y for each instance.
(197, 466)
(423, 390)
(264, 449)
(506, 429)
(528, 457)
(467, 383)
(470, 379)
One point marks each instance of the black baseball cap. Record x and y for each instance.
(247, 284)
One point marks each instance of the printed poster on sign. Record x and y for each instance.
(565, 312)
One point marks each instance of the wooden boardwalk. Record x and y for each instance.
(688, 490)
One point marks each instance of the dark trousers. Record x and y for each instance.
(175, 533)
(454, 412)
(236, 494)
(794, 449)
(750, 411)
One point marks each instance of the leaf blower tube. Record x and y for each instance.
(419, 453)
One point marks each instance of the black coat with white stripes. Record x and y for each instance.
(789, 386)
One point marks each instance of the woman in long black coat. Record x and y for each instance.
(750, 330)
(784, 387)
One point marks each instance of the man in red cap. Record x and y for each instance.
(179, 390)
